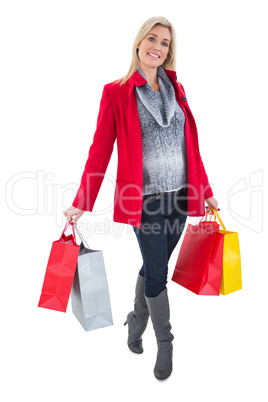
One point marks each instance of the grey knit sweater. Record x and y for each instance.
(163, 143)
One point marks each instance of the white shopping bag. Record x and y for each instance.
(90, 293)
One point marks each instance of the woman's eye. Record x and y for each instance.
(151, 39)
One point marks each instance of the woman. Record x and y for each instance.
(160, 178)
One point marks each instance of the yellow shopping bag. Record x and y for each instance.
(231, 279)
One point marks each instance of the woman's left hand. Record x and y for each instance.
(213, 203)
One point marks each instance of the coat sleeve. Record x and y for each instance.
(206, 186)
(99, 155)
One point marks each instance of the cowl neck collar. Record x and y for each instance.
(148, 97)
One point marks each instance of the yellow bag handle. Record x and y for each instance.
(218, 216)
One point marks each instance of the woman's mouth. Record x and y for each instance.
(155, 56)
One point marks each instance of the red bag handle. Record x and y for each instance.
(206, 217)
(215, 215)
(65, 227)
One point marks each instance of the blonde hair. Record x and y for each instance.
(169, 63)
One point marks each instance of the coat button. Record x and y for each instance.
(184, 98)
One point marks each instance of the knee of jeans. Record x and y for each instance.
(141, 271)
(154, 286)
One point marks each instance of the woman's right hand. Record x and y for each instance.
(72, 214)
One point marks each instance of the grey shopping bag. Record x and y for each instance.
(90, 293)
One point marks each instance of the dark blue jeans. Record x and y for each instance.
(162, 223)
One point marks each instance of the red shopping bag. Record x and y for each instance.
(60, 272)
(199, 264)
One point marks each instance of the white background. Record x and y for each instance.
(56, 56)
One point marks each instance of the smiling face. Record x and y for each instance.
(153, 49)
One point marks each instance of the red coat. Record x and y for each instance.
(118, 119)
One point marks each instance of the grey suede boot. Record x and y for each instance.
(160, 314)
(137, 320)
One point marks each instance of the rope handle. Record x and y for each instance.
(215, 215)
(215, 212)
(80, 235)
(65, 228)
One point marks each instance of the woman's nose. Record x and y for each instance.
(156, 46)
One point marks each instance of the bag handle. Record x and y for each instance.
(66, 226)
(206, 217)
(215, 212)
(80, 235)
